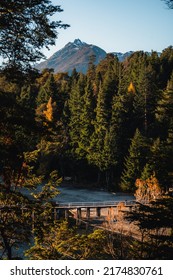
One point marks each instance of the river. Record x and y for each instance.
(73, 194)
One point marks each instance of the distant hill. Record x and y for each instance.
(122, 56)
(73, 55)
(76, 55)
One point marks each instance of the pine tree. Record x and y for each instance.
(75, 104)
(48, 90)
(160, 161)
(126, 104)
(49, 96)
(109, 87)
(96, 148)
(145, 99)
(91, 72)
(27, 97)
(166, 66)
(134, 162)
(61, 242)
(154, 223)
(74, 76)
(165, 108)
(117, 136)
(86, 121)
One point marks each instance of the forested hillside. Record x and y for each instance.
(107, 128)
(111, 128)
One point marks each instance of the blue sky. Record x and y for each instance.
(116, 25)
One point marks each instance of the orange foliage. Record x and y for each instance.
(49, 112)
(148, 190)
(131, 88)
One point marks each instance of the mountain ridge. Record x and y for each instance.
(77, 55)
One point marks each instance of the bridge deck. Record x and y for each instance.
(101, 204)
(75, 205)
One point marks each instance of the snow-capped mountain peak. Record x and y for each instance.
(74, 55)
(77, 55)
(78, 42)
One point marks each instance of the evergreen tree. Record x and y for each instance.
(15, 224)
(27, 97)
(134, 162)
(63, 87)
(166, 66)
(109, 87)
(148, 171)
(91, 69)
(109, 63)
(118, 141)
(154, 222)
(48, 90)
(126, 104)
(164, 109)
(76, 104)
(86, 121)
(48, 95)
(96, 149)
(169, 145)
(145, 99)
(74, 75)
(159, 161)
(61, 242)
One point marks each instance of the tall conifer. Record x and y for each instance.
(76, 104)
(134, 162)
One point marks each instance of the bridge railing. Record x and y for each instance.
(80, 204)
(94, 204)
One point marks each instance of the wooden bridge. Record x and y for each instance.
(84, 209)
(101, 204)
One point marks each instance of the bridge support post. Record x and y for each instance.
(98, 211)
(55, 214)
(58, 214)
(110, 214)
(79, 215)
(120, 207)
(87, 212)
(66, 214)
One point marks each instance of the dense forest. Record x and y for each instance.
(106, 128)
(110, 129)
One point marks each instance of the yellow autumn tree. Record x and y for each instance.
(49, 110)
(148, 190)
(131, 88)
